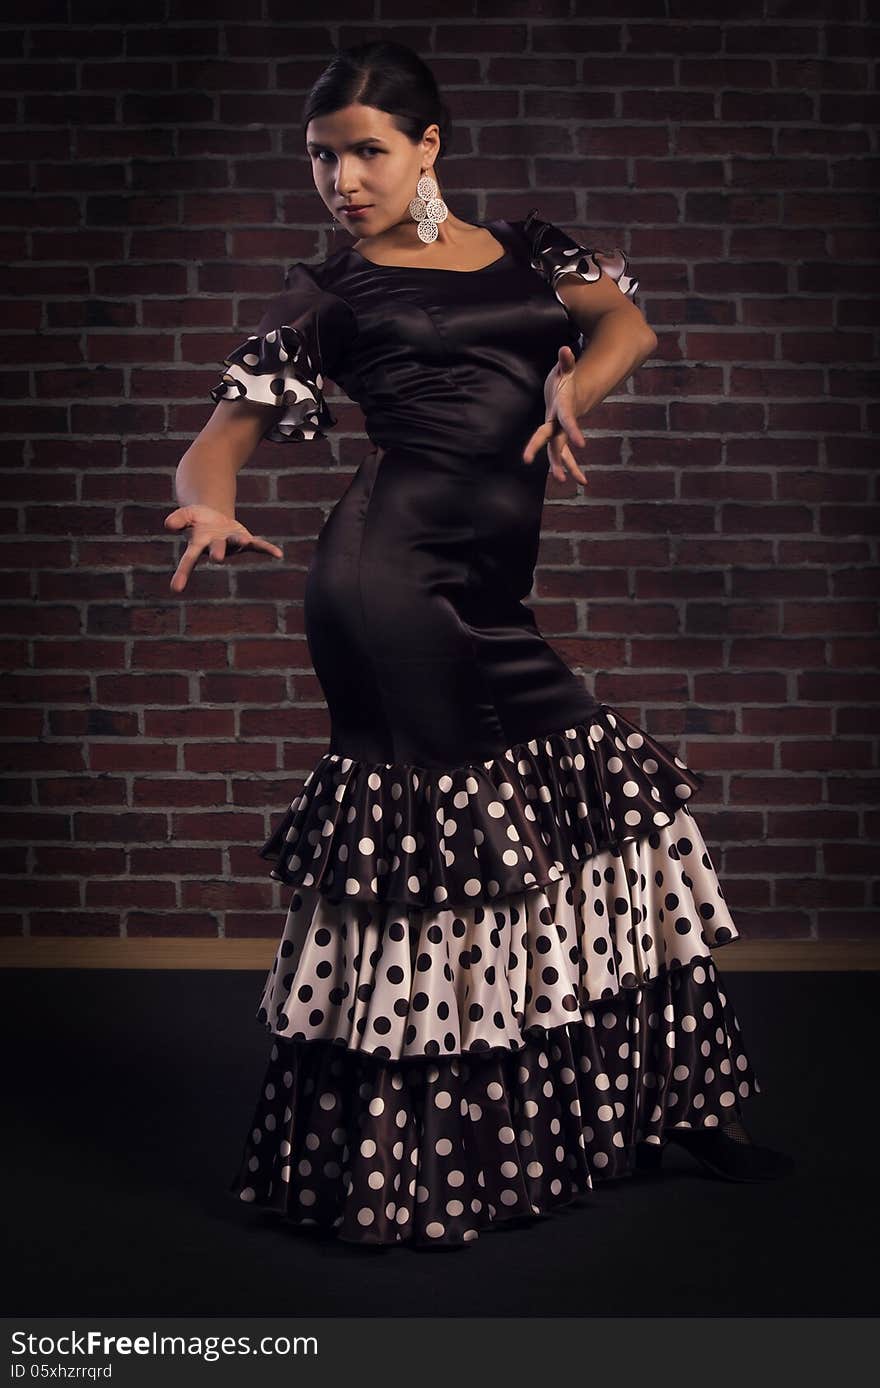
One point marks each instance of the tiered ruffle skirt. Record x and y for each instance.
(493, 983)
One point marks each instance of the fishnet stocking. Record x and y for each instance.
(735, 1130)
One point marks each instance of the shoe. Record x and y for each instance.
(729, 1158)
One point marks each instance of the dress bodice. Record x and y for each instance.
(454, 360)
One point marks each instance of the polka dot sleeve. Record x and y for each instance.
(553, 254)
(300, 340)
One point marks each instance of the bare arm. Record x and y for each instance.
(207, 471)
(204, 485)
(620, 340)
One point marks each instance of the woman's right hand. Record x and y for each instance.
(212, 531)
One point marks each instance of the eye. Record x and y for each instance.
(368, 149)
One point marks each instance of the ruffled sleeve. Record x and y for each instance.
(553, 253)
(300, 340)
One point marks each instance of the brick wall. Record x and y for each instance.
(715, 580)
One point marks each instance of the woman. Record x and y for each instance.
(494, 984)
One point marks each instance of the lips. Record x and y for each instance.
(353, 208)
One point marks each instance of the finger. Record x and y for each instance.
(257, 542)
(541, 435)
(568, 420)
(176, 520)
(561, 453)
(554, 458)
(576, 445)
(185, 567)
(570, 462)
(242, 539)
(222, 546)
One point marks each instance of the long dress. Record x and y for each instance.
(495, 977)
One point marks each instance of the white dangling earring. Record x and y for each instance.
(427, 209)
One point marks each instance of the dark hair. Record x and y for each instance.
(389, 76)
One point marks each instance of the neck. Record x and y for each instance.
(404, 235)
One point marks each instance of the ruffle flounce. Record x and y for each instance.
(554, 254)
(434, 1152)
(277, 369)
(428, 837)
(403, 983)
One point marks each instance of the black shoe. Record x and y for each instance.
(730, 1158)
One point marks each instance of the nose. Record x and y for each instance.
(344, 186)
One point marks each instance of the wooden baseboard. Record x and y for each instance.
(59, 952)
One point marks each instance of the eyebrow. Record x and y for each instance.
(370, 140)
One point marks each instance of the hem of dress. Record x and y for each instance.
(499, 1222)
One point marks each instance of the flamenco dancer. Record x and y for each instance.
(494, 986)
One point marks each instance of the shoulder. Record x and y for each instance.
(325, 276)
(310, 289)
(535, 237)
(554, 254)
(540, 233)
(307, 303)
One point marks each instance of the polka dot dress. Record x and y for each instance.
(481, 1006)
(435, 1151)
(495, 976)
(277, 369)
(482, 830)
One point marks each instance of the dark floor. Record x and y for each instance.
(130, 1093)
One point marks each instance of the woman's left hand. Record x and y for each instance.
(560, 430)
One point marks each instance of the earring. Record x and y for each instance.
(427, 208)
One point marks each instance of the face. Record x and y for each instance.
(360, 157)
